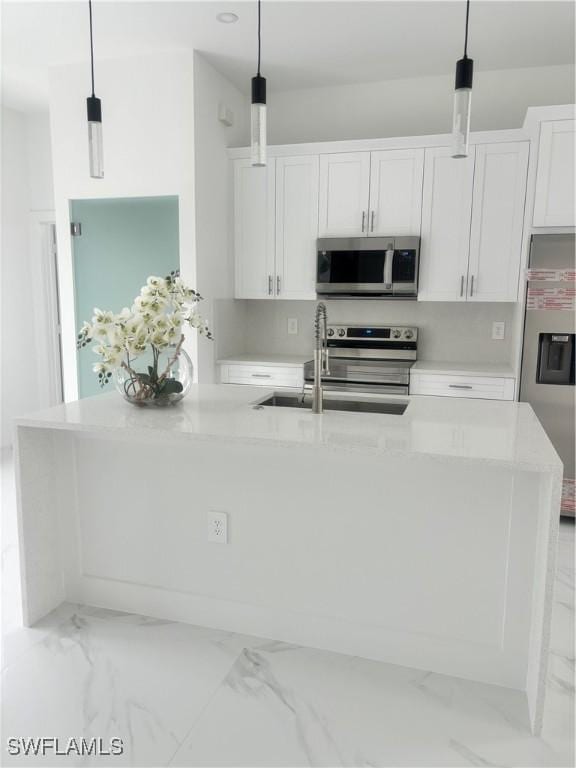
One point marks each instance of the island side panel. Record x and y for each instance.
(549, 494)
(413, 560)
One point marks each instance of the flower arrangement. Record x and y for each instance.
(152, 329)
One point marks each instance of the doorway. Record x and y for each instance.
(116, 244)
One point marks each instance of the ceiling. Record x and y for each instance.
(306, 43)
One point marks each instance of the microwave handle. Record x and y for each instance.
(388, 261)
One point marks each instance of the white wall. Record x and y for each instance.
(414, 106)
(448, 331)
(215, 269)
(26, 188)
(148, 129)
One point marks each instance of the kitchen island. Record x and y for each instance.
(425, 539)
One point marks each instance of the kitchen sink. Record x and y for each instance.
(395, 407)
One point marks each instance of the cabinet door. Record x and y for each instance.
(554, 202)
(254, 230)
(396, 192)
(446, 214)
(344, 190)
(497, 221)
(296, 226)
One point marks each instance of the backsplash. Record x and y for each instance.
(453, 332)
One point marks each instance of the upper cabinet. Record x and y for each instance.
(554, 201)
(497, 221)
(472, 220)
(296, 226)
(344, 194)
(446, 215)
(275, 228)
(371, 193)
(254, 206)
(396, 192)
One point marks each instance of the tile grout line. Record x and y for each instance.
(211, 698)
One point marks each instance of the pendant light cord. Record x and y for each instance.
(259, 35)
(91, 45)
(466, 32)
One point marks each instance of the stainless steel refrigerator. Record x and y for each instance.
(547, 378)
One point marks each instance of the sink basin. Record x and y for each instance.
(395, 407)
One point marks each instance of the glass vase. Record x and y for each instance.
(156, 377)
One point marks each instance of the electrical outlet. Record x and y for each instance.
(217, 527)
(498, 330)
(292, 326)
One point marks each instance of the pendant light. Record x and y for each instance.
(258, 110)
(462, 99)
(94, 108)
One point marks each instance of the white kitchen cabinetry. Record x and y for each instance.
(262, 375)
(371, 193)
(446, 385)
(497, 221)
(275, 228)
(446, 215)
(254, 207)
(472, 217)
(296, 226)
(554, 201)
(395, 192)
(344, 194)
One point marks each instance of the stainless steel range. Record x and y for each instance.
(374, 359)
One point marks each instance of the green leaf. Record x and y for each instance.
(170, 387)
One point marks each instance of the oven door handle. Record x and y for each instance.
(388, 262)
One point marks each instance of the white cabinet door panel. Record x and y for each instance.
(296, 226)
(554, 202)
(396, 192)
(344, 191)
(497, 221)
(254, 206)
(446, 215)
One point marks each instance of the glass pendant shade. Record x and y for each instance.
(258, 121)
(461, 122)
(462, 101)
(258, 128)
(95, 151)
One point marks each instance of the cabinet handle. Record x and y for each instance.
(460, 386)
(472, 286)
(462, 285)
(278, 285)
(372, 222)
(270, 284)
(363, 220)
(261, 375)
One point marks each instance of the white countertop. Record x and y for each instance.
(506, 433)
(268, 359)
(463, 369)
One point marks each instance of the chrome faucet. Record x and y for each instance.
(321, 365)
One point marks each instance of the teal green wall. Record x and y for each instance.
(123, 241)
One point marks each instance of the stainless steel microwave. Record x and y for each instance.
(368, 267)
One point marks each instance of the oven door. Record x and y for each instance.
(373, 376)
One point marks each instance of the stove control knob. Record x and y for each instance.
(408, 334)
(341, 332)
(330, 331)
(396, 333)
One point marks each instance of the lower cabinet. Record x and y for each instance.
(262, 375)
(447, 385)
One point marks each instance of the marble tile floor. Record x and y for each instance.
(179, 695)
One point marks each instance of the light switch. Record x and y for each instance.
(292, 326)
(498, 330)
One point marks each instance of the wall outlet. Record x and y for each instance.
(498, 330)
(217, 527)
(292, 326)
